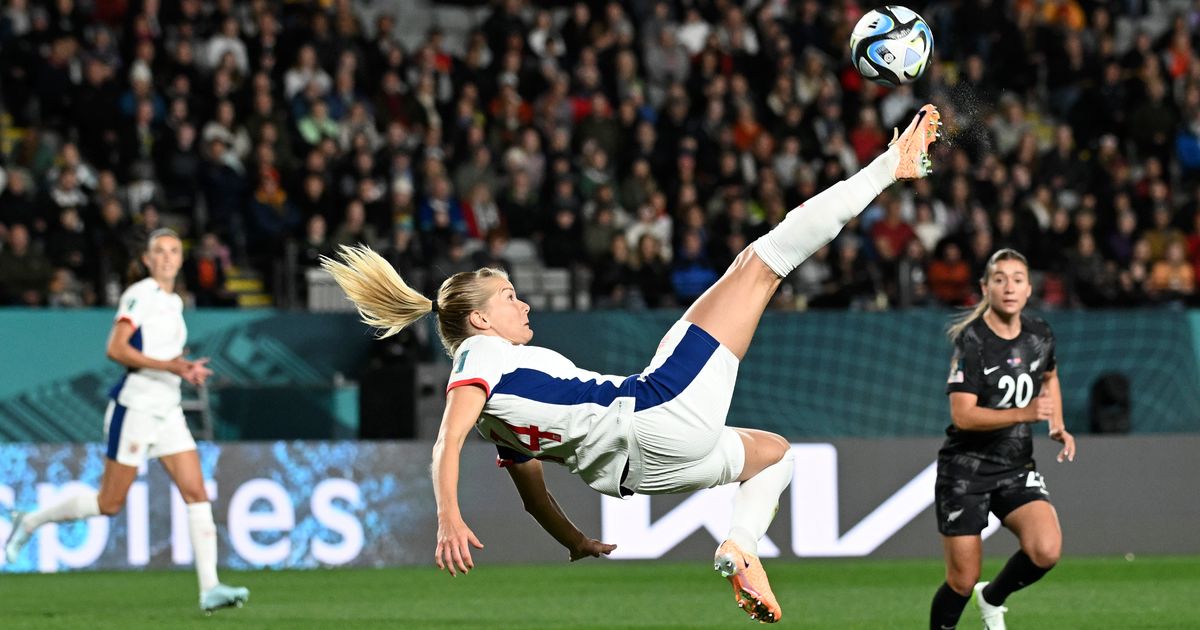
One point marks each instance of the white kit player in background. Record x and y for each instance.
(144, 419)
(661, 431)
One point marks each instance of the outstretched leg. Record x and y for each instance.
(730, 309)
(114, 486)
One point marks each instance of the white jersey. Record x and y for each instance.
(541, 405)
(159, 333)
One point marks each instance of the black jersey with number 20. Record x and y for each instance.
(1003, 373)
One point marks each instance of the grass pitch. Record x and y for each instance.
(1148, 592)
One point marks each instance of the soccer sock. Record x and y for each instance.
(1018, 573)
(75, 507)
(817, 221)
(204, 543)
(947, 608)
(756, 501)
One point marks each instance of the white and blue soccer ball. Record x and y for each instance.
(891, 45)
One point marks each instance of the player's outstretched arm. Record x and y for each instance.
(1058, 427)
(967, 415)
(455, 539)
(531, 485)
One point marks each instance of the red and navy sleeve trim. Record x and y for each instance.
(471, 381)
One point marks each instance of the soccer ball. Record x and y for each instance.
(891, 45)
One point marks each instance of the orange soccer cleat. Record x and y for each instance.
(749, 580)
(913, 144)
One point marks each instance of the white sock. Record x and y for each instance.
(757, 500)
(817, 221)
(204, 543)
(75, 507)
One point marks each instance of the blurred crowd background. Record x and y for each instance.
(638, 145)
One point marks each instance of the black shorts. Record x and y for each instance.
(963, 502)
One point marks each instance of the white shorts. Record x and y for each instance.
(682, 398)
(134, 436)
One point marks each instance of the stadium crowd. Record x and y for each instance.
(646, 142)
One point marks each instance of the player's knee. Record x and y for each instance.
(782, 448)
(110, 507)
(1045, 554)
(962, 582)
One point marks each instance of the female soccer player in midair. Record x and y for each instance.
(1003, 379)
(661, 431)
(145, 420)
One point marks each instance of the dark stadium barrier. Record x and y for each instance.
(821, 374)
(315, 504)
(277, 374)
(826, 374)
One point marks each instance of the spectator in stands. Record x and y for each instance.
(225, 126)
(652, 219)
(24, 273)
(563, 243)
(855, 283)
(691, 272)
(440, 217)
(275, 220)
(354, 229)
(17, 203)
(730, 107)
(1163, 233)
(1136, 276)
(492, 254)
(66, 291)
(318, 125)
(913, 282)
(306, 71)
(204, 273)
(614, 278)
(950, 278)
(653, 273)
(891, 234)
(1089, 277)
(67, 245)
(404, 251)
(1172, 279)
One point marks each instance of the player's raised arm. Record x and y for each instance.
(463, 406)
(531, 485)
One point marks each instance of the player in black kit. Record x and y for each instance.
(1003, 378)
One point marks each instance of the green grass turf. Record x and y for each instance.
(1149, 592)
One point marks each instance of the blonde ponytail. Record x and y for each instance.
(959, 325)
(387, 303)
(383, 299)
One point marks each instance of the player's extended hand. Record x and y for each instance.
(1060, 434)
(198, 372)
(453, 551)
(590, 547)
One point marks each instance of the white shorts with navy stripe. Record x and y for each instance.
(134, 436)
(682, 399)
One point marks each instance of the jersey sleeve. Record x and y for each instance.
(477, 363)
(132, 307)
(1051, 345)
(506, 457)
(964, 367)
